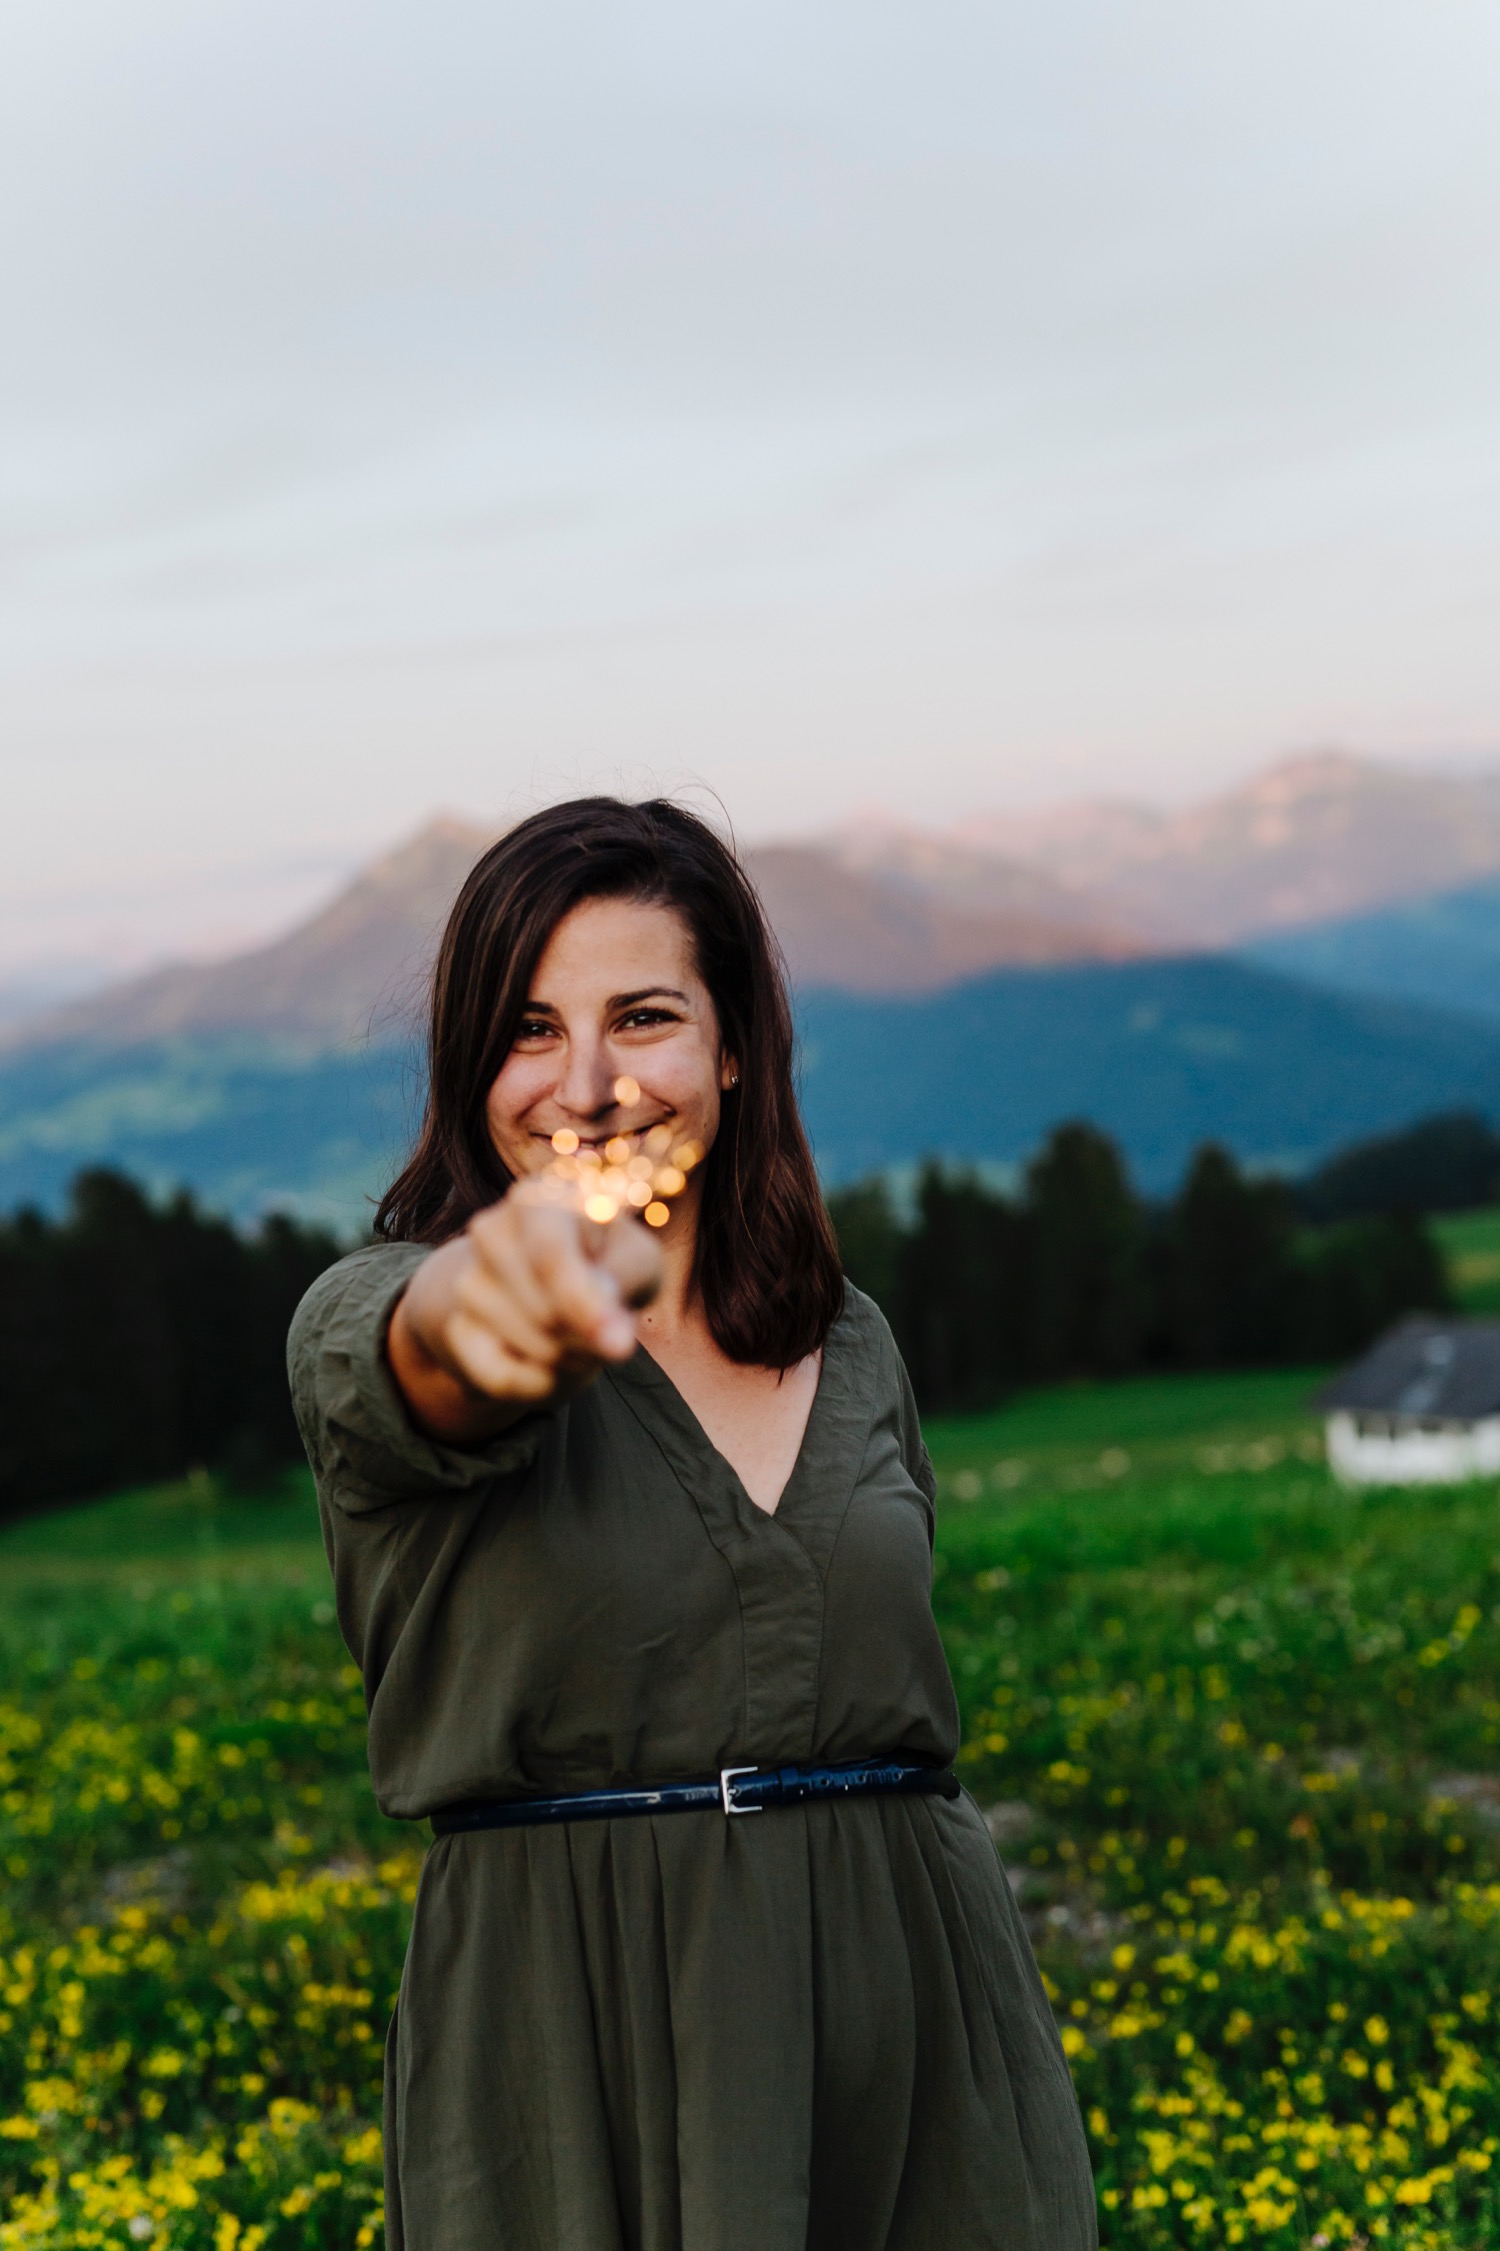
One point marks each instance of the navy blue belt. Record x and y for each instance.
(738, 1789)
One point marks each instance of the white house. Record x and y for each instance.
(1421, 1408)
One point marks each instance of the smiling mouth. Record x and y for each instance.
(601, 1140)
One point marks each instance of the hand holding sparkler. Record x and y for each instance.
(538, 1291)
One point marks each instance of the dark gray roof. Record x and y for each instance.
(1446, 1369)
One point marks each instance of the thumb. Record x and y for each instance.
(633, 1257)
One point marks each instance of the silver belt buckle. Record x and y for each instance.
(727, 1775)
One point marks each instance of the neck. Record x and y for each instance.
(676, 1306)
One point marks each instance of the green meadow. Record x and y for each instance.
(1237, 1732)
(1470, 1243)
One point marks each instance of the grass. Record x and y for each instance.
(1471, 1247)
(1238, 1731)
(204, 1915)
(1241, 1730)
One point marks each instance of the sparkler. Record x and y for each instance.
(636, 1173)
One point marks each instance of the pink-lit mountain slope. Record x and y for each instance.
(870, 932)
(1307, 840)
(352, 971)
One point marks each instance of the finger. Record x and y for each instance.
(491, 1367)
(519, 1317)
(494, 1236)
(518, 1245)
(585, 1294)
(509, 1260)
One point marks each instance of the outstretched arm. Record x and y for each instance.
(528, 1302)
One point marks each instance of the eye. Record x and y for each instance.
(640, 1018)
(533, 1028)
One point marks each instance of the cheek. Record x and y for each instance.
(688, 1078)
(521, 1083)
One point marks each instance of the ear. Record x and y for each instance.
(729, 1075)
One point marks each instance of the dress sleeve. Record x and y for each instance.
(913, 1445)
(898, 1402)
(365, 1451)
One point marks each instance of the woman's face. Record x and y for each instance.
(616, 996)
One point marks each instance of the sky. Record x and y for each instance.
(822, 406)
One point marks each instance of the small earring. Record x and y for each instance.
(734, 1080)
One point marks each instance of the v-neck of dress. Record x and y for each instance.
(666, 1394)
(826, 1437)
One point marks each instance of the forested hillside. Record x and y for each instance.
(1160, 1055)
(1074, 1276)
(141, 1341)
(1440, 952)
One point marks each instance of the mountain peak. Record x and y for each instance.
(1321, 833)
(355, 970)
(1319, 773)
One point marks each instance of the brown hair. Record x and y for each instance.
(766, 1265)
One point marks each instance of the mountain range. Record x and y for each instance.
(958, 992)
(1308, 840)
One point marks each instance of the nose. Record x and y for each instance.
(585, 1088)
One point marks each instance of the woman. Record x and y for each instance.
(613, 1510)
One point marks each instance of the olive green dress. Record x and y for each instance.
(810, 2029)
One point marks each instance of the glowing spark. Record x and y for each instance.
(627, 1092)
(633, 1173)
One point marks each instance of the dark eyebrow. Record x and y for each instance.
(616, 1000)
